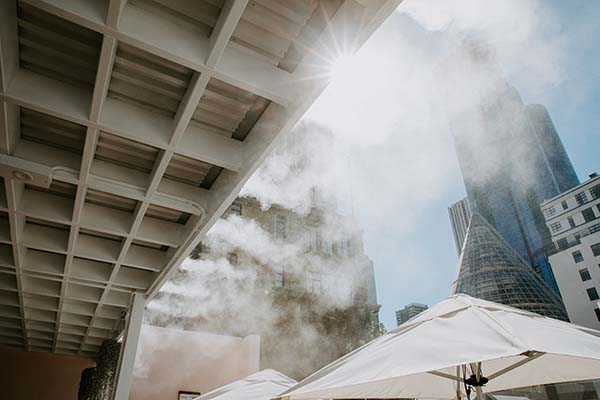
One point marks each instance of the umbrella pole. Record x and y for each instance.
(478, 389)
(479, 393)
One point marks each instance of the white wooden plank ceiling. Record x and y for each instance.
(127, 128)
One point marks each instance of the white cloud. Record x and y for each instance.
(524, 33)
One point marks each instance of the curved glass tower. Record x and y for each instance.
(510, 155)
(557, 158)
(490, 269)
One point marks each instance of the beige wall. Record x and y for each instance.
(37, 376)
(170, 360)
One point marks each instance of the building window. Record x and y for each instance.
(236, 208)
(198, 250)
(592, 293)
(187, 395)
(281, 226)
(581, 198)
(550, 212)
(232, 258)
(314, 283)
(313, 239)
(596, 249)
(278, 280)
(588, 214)
(597, 311)
(318, 241)
(577, 256)
(340, 249)
(595, 191)
(555, 227)
(595, 228)
(349, 248)
(564, 204)
(571, 222)
(327, 247)
(562, 243)
(585, 274)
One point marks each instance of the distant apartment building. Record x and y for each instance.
(573, 219)
(460, 215)
(409, 311)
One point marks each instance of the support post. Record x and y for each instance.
(479, 392)
(131, 336)
(458, 383)
(478, 388)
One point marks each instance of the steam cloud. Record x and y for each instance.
(219, 294)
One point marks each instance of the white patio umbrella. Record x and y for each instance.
(459, 343)
(262, 385)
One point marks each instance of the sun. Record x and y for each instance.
(342, 68)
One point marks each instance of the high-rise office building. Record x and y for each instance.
(460, 215)
(510, 155)
(409, 311)
(574, 222)
(490, 269)
(557, 158)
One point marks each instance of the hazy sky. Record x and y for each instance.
(399, 171)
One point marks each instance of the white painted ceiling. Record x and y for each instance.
(127, 128)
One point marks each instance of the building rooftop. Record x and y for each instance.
(416, 305)
(592, 178)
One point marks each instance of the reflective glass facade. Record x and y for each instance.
(490, 269)
(510, 155)
(556, 155)
(460, 215)
(516, 162)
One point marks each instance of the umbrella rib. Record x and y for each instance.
(516, 365)
(444, 375)
(530, 357)
(458, 382)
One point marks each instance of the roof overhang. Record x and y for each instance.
(127, 129)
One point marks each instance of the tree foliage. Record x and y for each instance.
(97, 383)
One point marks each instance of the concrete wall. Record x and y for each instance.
(37, 376)
(572, 288)
(169, 361)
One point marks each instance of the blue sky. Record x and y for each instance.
(400, 167)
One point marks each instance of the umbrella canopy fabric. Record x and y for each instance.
(430, 355)
(262, 385)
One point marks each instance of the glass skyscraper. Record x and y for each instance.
(556, 156)
(460, 215)
(490, 269)
(510, 155)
